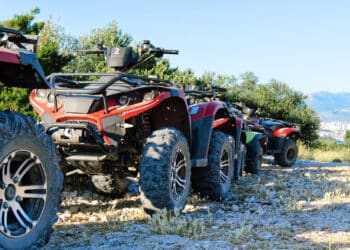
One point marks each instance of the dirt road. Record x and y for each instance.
(304, 207)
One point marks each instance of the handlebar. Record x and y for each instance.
(99, 49)
(198, 93)
(11, 31)
(91, 51)
(17, 39)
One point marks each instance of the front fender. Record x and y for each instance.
(284, 132)
(202, 123)
(253, 140)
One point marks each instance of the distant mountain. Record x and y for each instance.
(330, 106)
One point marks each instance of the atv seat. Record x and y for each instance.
(270, 125)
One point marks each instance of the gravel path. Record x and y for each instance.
(304, 207)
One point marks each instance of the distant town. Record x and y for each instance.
(334, 129)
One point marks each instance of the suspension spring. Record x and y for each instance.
(145, 126)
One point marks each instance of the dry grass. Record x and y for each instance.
(339, 155)
(165, 222)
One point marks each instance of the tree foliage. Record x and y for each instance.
(278, 101)
(54, 50)
(25, 22)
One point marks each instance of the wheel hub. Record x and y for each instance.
(10, 192)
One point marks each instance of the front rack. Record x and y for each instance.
(56, 79)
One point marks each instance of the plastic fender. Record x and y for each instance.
(9, 56)
(201, 133)
(253, 139)
(239, 122)
(21, 69)
(202, 124)
(238, 138)
(204, 110)
(283, 132)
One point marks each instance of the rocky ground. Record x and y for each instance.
(304, 207)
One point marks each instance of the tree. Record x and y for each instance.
(54, 48)
(25, 22)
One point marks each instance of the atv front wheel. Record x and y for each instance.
(240, 165)
(165, 171)
(30, 183)
(214, 180)
(254, 161)
(110, 185)
(288, 154)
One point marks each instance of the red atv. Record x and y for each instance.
(224, 137)
(30, 177)
(282, 136)
(117, 127)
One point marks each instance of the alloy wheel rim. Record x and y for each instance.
(23, 193)
(224, 167)
(178, 175)
(291, 154)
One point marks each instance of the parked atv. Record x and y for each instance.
(30, 177)
(121, 127)
(282, 136)
(201, 102)
(249, 143)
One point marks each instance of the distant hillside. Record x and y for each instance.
(330, 106)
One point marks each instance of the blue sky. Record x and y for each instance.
(305, 44)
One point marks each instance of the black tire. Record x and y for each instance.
(288, 154)
(110, 185)
(241, 160)
(253, 164)
(214, 180)
(165, 171)
(30, 183)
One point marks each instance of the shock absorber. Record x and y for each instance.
(145, 126)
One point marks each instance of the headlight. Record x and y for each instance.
(41, 93)
(148, 96)
(123, 100)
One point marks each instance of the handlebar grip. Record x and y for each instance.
(170, 51)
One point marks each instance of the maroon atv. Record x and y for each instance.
(118, 127)
(282, 136)
(30, 177)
